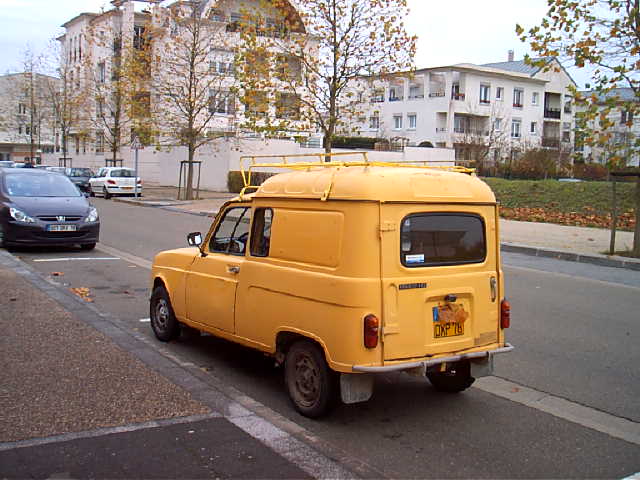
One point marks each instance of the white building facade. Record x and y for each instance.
(27, 121)
(92, 43)
(502, 106)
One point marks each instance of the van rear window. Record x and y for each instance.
(434, 239)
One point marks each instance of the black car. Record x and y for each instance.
(80, 177)
(38, 207)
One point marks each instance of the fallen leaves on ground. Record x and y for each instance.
(587, 218)
(83, 293)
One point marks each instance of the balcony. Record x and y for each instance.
(550, 112)
(396, 98)
(441, 130)
(485, 102)
(457, 96)
(377, 99)
(551, 142)
(416, 96)
(436, 94)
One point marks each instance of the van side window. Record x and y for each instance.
(261, 232)
(232, 233)
(434, 239)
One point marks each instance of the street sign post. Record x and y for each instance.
(136, 145)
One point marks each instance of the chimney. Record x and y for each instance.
(510, 56)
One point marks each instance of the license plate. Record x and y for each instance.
(62, 228)
(448, 320)
(127, 188)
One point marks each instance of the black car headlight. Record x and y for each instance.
(20, 216)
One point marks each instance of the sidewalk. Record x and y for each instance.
(82, 397)
(580, 244)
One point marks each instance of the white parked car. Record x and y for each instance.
(110, 181)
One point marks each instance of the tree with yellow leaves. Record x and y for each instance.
(296, 63)
(603, 35)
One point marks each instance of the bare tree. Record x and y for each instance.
(193, 85)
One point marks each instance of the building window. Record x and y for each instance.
(99, 143)
(485, 94)
(413, 121)
(397, 122)
(497, 124)
(499, 93)
(516, 128)
(374, 122)
(22, 108)
(534, 128)
(395, 94)
(222, 102)
(101, 72)
(626, 117)
(19, 129)
(378, 95)
(566, 132)
(535, 98)
(518, 94)
(288, 105)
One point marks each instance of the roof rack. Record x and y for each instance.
(327, 160)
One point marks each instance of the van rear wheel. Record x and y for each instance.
(311, 384)
(455, 379)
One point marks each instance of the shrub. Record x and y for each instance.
(366, 143)
(235, 183)
(590, 171)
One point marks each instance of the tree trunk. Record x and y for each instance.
(636, 233)
(189, 189)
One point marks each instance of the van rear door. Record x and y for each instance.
(439, 278)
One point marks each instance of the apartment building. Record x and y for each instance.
(498, 106)
(27, 122)
(94, 45)
(625, 129)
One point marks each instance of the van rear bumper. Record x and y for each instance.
(485, 354)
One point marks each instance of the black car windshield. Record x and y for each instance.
(123, 172)
(50, 185)
(79, 172)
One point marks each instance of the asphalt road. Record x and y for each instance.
(576, 328)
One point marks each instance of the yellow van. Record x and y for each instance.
(342, 270)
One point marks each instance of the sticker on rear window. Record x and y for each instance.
(418, 258)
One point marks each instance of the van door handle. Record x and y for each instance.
(233, 269)
(494, 288)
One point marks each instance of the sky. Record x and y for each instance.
(449, 32)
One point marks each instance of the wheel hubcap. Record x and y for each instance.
(307, 380)
(161, 317)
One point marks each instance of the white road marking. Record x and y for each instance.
(72, 259)
(145, 320)
(141, 262)
(588, 417)
(635, 476)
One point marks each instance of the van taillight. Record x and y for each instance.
(505, 314)
(371, 329)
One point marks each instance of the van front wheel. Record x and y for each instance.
(311, 384)
(455, 379)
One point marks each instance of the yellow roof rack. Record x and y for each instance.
(256, 161)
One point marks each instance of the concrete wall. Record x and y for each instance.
(162, 166)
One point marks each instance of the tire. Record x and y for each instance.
(311, 384)
(106, 193)
(87, 246)
(163, 320)
(456, 379)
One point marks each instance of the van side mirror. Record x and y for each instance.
(194, 239)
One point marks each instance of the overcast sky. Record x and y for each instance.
(449, 32)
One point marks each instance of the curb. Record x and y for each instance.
(613, 261)
(593, 259)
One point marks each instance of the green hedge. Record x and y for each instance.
(366, 143)
(235, 182)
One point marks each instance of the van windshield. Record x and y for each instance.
(433, 239)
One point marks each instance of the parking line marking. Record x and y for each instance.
(72, 259)
(145, 320)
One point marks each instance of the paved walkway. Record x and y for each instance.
(548, 239)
